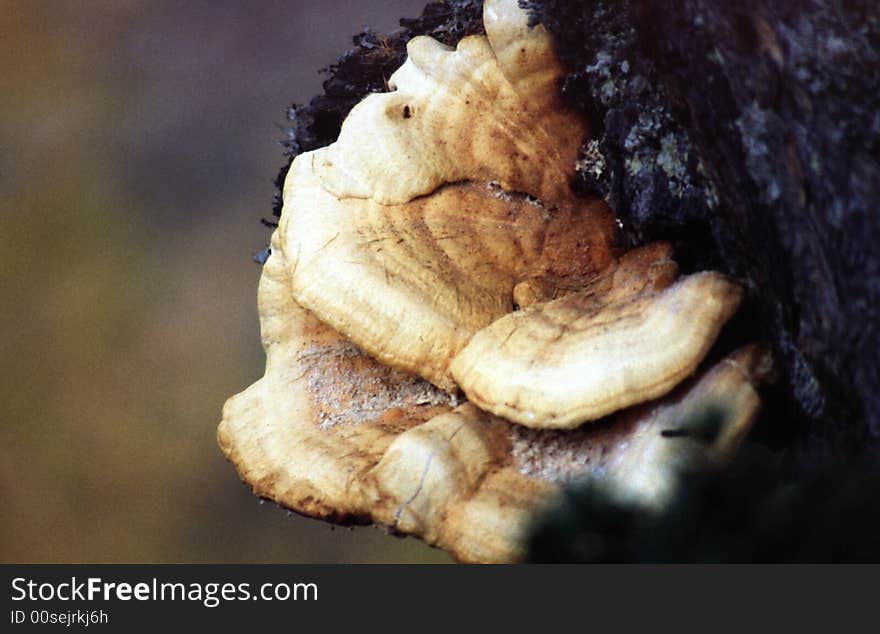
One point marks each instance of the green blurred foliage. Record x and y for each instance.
(137, 151)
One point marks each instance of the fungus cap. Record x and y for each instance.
(629, 337)
(479, 112)
(411, 283)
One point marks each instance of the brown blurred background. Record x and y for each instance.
(138, 144)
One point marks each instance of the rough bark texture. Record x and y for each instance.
(747, 134)
(751, 131)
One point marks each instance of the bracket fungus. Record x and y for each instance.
(628, 337)
(435, 247)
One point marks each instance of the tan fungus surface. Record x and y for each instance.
(412, 283)
(440, 229)
(480, 112)
(628, 337)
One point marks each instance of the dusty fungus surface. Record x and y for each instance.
(451, 333)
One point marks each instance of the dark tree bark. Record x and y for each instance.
(749, 133)
(746, 133)
(785, 114)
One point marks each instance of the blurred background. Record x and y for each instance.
(138, 145)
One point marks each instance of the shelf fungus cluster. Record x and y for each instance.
(450, 332)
